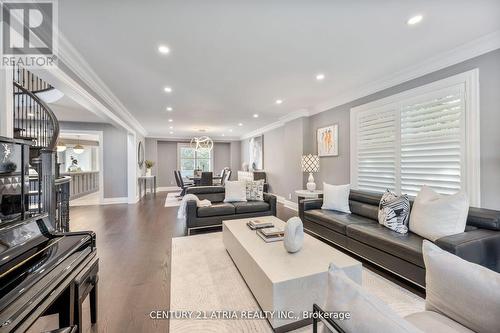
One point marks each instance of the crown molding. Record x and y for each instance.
(282, 121)
(77, 64)
(451, 57)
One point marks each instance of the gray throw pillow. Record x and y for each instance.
(394, 211)
(463, 291)
(255, 190)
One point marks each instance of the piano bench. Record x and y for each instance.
(85, 284)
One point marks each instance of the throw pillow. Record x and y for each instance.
(336, 197)
(394, 212)
(368, 312)
(255, 190)
(434, 215)
(235, 191)
(463, 291)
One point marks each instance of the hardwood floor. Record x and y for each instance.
(133, 243)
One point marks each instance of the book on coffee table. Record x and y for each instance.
(256, 224)
(273, 236)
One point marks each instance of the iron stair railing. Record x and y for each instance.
(34, 121)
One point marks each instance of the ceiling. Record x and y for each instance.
(67, 109)
(232, 59)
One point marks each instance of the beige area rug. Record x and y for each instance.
(172, 200)
(204, 278)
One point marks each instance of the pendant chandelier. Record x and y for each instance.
(201, 143)
(78, 149)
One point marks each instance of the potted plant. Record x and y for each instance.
(149, 164)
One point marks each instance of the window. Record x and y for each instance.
(424, 136)
(190, 160)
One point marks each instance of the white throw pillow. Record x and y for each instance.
(368, 313)
(463, 291)
(235, 191)
(336, 197)
(434, 215)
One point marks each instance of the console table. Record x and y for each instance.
(143, 181)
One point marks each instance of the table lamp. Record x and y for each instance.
(310, 163)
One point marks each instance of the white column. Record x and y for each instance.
(6, 106)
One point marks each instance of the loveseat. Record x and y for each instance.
(401, 254)
(204, 217)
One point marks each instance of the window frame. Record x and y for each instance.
(187, 145)
(470, 138)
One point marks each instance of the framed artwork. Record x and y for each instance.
(256, 147)
(327, 139)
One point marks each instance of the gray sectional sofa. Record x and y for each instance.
(401, 254)
(205, 217)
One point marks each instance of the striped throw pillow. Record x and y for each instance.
(394, 212)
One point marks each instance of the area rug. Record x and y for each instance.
(204, 278)
(172, 200)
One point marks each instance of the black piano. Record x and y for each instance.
(42, 271)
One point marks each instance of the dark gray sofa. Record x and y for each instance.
(204, 217)
(361, 234)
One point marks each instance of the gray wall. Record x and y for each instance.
(235, 163)
(283, 148)
(167, 163)
(336, 170)
(222, 156)
(115, 155)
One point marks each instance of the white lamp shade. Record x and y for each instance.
(310, 163)
(78, 149)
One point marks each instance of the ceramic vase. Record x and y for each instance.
(148, 172)
(294, 235)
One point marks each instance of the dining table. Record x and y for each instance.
(197, 179)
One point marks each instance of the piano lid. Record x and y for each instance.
(20, 237)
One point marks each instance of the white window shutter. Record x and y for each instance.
(431, 142)
(376, 153)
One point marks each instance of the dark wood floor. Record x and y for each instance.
(133, 243)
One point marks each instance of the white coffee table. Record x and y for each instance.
(281, 281)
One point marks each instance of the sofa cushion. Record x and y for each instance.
(251, 207)
(334, 220)
(216, 210)
(405, 246)
(429, 321)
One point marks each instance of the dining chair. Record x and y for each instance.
(207, 179)
(182, 185)
(222, 175)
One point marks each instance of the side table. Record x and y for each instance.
(306, 194)
(143, 181)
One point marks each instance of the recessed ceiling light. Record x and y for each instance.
(163, 49)
(167, 89)
(171, 132)
(170, 120)
(171, 127)
(223, 134)
(320, 77)
(256, 115)
(279, 101)
(240, 124)
(415, 19)
(169, 108)
(230, 130)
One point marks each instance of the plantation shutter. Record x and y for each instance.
(431, 142)
(376, 152)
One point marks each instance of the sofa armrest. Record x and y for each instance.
(480, 246)
(306, 204)
(191, 213)
(271, 200)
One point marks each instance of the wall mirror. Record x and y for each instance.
(140, 154)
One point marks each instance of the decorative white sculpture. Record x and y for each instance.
(294, 235)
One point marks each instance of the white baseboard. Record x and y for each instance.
(167, 188)
(287, 203)
(113, 201)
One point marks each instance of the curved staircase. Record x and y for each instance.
(35, 122)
